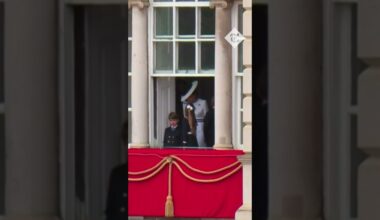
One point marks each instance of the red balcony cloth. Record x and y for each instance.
(190, 199)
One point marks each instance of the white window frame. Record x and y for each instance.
(237, 78)
(130, 79)
(197, 40)
(151, 31)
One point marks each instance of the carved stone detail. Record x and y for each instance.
(138, 3)
(220, 3)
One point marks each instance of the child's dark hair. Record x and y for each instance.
(173, 116)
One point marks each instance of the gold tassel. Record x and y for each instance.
(169, 209)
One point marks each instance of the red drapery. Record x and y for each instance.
(191, 199)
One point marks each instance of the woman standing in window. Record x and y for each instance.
(200, 109)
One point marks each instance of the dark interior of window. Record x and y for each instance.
(205, 90)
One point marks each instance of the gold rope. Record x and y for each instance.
(205, 172)
(169, 206)
(149, 169)
(150, 175)
(206, 181)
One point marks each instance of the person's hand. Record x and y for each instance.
(189, 107)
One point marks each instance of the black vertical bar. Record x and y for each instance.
(79, 102)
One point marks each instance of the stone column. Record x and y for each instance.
(140, 76)
(245, 211)
(295, 109)
(31, 112)
(223, 75)
(369, 110)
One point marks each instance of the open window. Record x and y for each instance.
(167, 92)
(181, 50)
(181, 45)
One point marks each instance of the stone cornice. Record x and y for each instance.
(138, 3)
(246, 158)
(220, 3)
(139, 145)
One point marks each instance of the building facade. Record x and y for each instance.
(67, 88)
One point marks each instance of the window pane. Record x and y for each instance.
(240, 58)
(186, 57)
(129, 91)
(186, 21)
(240, 47)
(164, 56)
(129, 127)
(207, 21)
(240, 18)
(241, 130)
(129, 56)
(163, 0)
(241, 92)
(207, 56)
(129, 23)
(164, 25)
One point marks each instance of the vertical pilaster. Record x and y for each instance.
(140, 76)
(223, 75)
(245, 211)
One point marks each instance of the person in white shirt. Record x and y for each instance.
(201, 108)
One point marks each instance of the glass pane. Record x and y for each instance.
(185, 0)
(241, 129)
(129, 23)
(186, 21)
(129, 91)
(164, 25)
(129, 127)
(240, 19)
(163, 0)
(207, 56)
(240, 58)
(129, 56)
(164, 56)
(186, 57)
(207, 21)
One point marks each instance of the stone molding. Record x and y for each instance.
(246, 207)
(223, 146)
(220, 3)
(246, 158)
(139, 145)
(138, 3)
